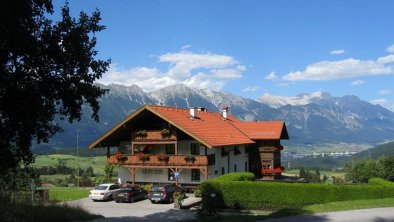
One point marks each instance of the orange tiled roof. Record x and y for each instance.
(263, 130)
(209, 128)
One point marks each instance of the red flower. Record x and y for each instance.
(118, 154)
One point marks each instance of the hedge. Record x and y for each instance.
(217, 193)
(380, 182)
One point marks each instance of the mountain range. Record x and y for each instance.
(310, 118)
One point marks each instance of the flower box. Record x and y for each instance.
(163, 157)
(143, 157)
(190, 158)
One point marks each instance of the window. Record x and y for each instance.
(195, 149)
(237, 151)
(246, 166)
(211, 159)
(114, 187)
(224, 153)
(235, 167)
(171, 175)
(195, 175)
(223, 171)
(170, 148)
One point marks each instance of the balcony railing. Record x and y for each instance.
(153, 136)
(173, 160)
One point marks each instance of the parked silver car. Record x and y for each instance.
(104, 192)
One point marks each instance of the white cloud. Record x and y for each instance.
(337, 52)
(203, 70)
(390, 49)
(251, 89)
(186, 47)
(386, 59)
(271, 76)
(348, 68)
(241, 67)
(283, 84)
(385, 103)
(384, 92)
(226, 73)
(358, 83)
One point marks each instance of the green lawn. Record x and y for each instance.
(98, 162)
(327, 173)
(67, 193)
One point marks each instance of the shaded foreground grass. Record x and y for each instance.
(242, 216)
(67, 193)
(18, 207)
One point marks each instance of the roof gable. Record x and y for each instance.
(209, 128)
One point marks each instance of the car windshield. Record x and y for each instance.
(155, 189)
(101, 188)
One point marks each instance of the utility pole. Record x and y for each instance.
(78, 155)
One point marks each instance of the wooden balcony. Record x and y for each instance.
(173, 160)
(153, 136)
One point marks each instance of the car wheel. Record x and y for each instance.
(131, 199)
(152, 201)
(171, 200)
(117, 201)
(110, 197)
(146, 197)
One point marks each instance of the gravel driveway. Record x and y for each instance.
(364, 215)
(138, 211)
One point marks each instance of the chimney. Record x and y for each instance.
(225, 112)
(193, 113)
(202, 109)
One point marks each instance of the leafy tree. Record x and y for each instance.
(108, 170)
(47, 69)
(89, 171)
(18, 178)
(302, 173)
(387, 168)
(325, 178)
(362, 171)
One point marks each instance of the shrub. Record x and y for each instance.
(380, 182)
(219, 193)
(197, 192)
(146, 187)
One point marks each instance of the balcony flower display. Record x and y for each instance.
(143, 157)
(165, 132)
(141, 133)
(163, 157)
(120, 156)
(274, 148)
(190, 158)
(268, 171)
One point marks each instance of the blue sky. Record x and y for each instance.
(250, 48)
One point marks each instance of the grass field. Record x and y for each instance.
(67, 193)
(327, 173)
(98, 163)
